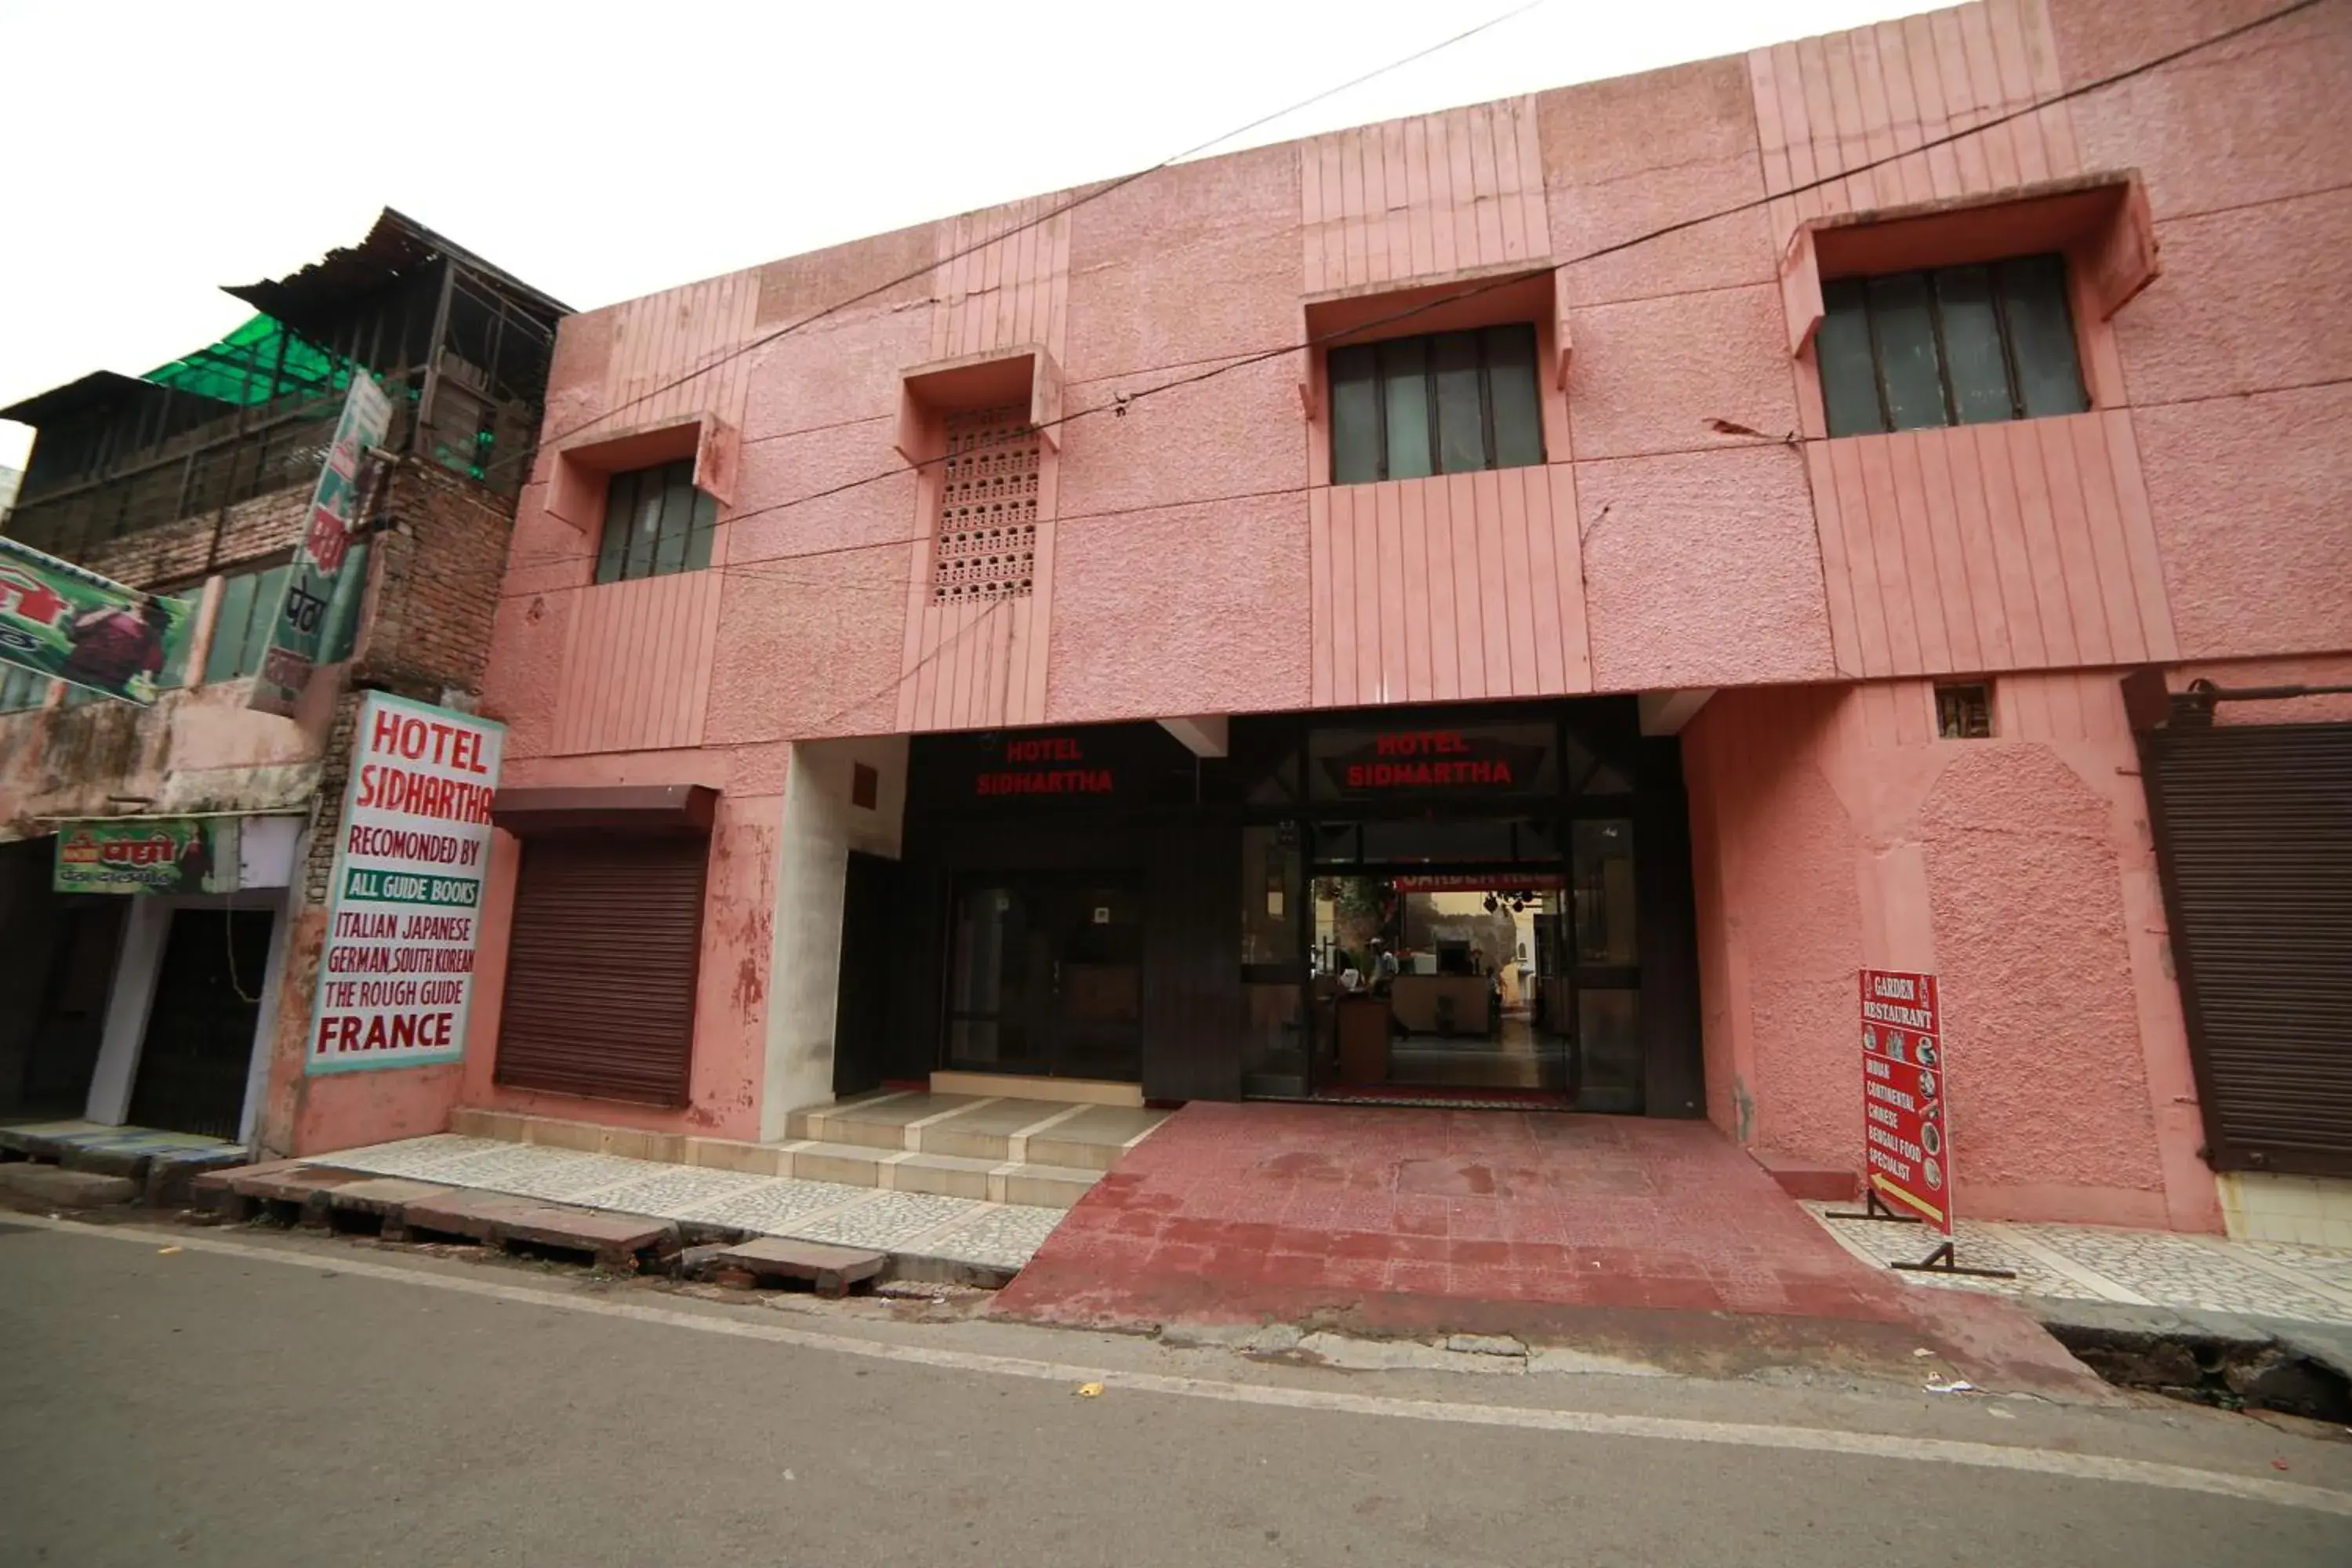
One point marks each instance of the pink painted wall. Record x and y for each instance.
(1832, 830)
(1692, 528)
(1192, 559)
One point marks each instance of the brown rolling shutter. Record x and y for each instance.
(601, 966)
(2253, 837)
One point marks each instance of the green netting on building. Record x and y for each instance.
(260, 362)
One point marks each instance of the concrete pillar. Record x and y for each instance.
(822, 823)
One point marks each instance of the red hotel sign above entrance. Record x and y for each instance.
(1045, 764)
(1505, 760)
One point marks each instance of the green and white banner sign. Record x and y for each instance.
(59, 620)
(334, 515)
(148, 855)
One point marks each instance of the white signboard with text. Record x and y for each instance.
(404, 914)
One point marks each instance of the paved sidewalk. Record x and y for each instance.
(2132, 1267)
(960, 1230)
(1656, 1240)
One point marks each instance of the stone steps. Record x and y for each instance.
(994, 1149)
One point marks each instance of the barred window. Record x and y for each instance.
(656, 522)
(1959, 346)
(249, 603)
(21, 688)
(1449, 402)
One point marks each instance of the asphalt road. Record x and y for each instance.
(256, 1400)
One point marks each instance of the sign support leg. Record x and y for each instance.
(1875, 1207)
(1941, 1261)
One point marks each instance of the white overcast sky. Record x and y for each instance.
(159, 149)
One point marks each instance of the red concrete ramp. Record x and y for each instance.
(1648, 1235)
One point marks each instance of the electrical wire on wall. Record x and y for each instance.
(1121, 404)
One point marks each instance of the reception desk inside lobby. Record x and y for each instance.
(1443, 1004)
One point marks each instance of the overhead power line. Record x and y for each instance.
(1096, 195)
(1121, 403)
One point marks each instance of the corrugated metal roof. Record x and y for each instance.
(97, 388)
(397, 245)
(307, 300)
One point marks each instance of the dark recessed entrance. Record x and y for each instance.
(1046, 976)
(1493, 903)
(198, 1048)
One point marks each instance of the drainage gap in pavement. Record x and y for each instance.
(2227, 1372)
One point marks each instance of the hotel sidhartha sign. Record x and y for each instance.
(1907, 1141)
(396, 979)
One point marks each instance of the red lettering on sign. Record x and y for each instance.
(1429, 776)
(1044, 749)
(1422, 743)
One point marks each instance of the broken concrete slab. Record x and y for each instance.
(60, 1188)
(1400, 1355)
(1575, 1362)
(831, 1269)
(171, 1178)
(387, 1197)
(1486, 1344)
(305, 1189)
(130, 1163)
(624, 1242)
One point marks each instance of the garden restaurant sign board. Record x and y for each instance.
(1906, 1144)
(59, 620)
(334, 514)
(403, 915)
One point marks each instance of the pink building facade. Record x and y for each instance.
(1790, 458)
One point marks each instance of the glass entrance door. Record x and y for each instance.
(1046, 976)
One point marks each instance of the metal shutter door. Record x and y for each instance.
(601, 967)
(2253, 834)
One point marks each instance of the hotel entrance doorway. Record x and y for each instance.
(1045, 976)
(1473, 915)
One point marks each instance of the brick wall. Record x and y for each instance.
(327, 806)
(439, 563)
(193, 548)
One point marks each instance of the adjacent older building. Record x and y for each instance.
(195, 480)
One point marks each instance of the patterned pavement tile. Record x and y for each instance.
(1002, 1236)
(563, 1177)
(773, 1207)
(674, 1192)
(418, 1158)
(884, 1220)
(2201, 1273)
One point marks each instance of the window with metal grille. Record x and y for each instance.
(656, 522)
(1959, 346)
(21, 688)
(986, 542)
(249, 603)
(1450, 403)
(1964, 712)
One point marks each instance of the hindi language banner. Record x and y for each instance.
(148, 855)
(333, 518)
